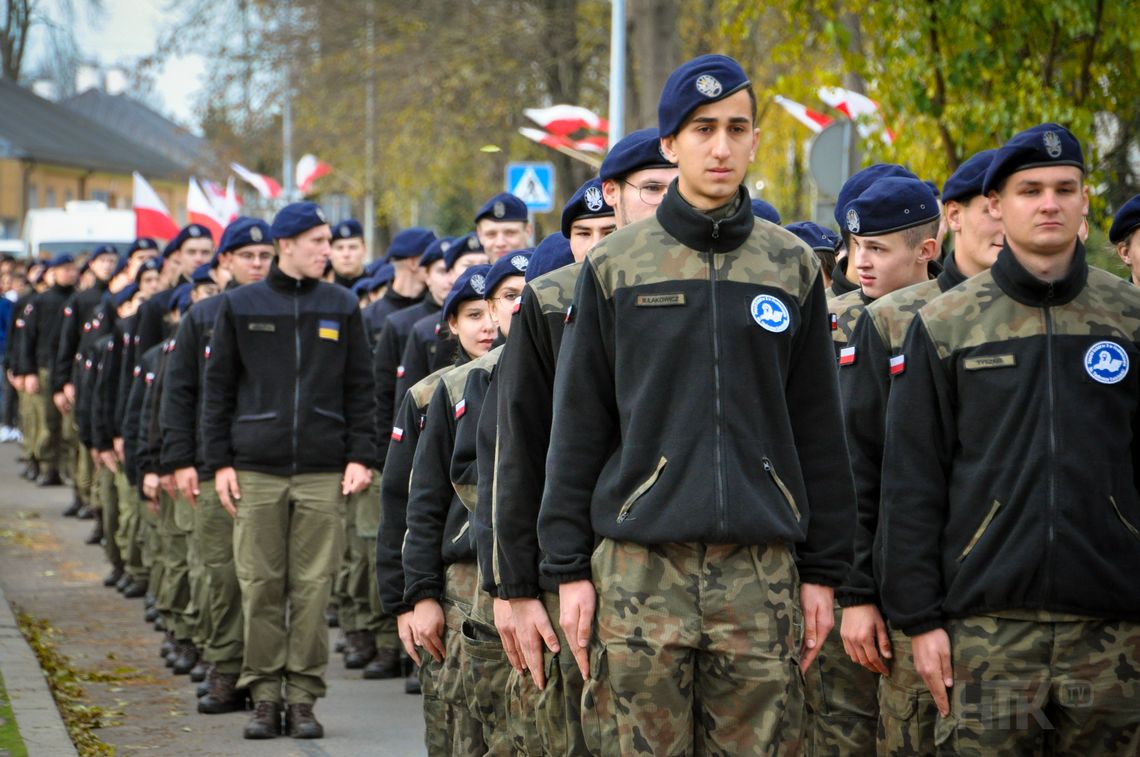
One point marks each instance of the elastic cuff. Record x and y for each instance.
(428, 593)
(921, 628)
(820, 579)
(519, 591)
(846, 598)
(565, 578)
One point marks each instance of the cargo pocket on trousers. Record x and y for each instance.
(523, 714)
(485, 673)
(946, 734)
(550, 709)
(599, 725)
(449, 683)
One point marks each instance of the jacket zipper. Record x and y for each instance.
(784, 490)
(297, 381)
(623, 514)
(721, 494)
(981, 530)
(1050, 533)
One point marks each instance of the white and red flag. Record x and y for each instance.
(812, 119)
(309, 169)
(556, 141)
(565, 120)
(856, 106)
(152, 219)
(201, 211)
(265, 186)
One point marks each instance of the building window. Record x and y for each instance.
(49, 198)
(99, 195)
(33, 197)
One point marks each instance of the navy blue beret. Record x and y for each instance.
(436, 251)
(120, 297)
(362, 286)
(552, 253)
(181, 291)
(242, 232)
(702, 80)
(189, 231)
(349, 228)
(410, 243)
(503, 207)
(143, 243)
(201, 275)
(382, 275)
(61, 259)
(1042, 145)
(512, 264)
(765, 211)
(151, 264)
(635, 151)
(932, 187)
(966, 183)
(103, 249)
(815, 236)
(860, 180)
(587, 202)
(466, 244)
(1125, 221)
(471, 285)
(296, 218)
(890, 205)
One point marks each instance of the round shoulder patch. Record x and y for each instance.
(771, 313)
(1106, 362)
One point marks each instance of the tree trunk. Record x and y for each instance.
(654, 51)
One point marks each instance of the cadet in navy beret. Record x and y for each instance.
(382, 275)
(104, 249)
(587, 218)
(700, 81)
(978, 236)
(362, 288)
(188, 232)
(435, 251)
(143, 244)
(823, 242)
(887, 254)
(1038, 147)
(348, 252)
(552, 253)
(61, 259)
(410, 243)
(966, 182)
(463, 252)
(296, 218)
(765, 211)
(859, 181)
(119, 298)
(203, 274)
(503, 224)
(1123, 236)
(244, 231)
(505, 282)
(148, 278)
(635, 175)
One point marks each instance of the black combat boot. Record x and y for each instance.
(302, 723)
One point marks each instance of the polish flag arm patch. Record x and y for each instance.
(847, 356)
(898, 364)
(400, 371)
(460, 408)
(397, 434)
(834, 319)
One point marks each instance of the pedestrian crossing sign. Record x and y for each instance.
(533, 183)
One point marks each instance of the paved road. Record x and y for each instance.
(47, 571)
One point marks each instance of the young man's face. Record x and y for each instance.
(103, 266)
(1129, 252)
(348, 256)
(978, 235)
(65, 275)
(587, 232)
(885, 263)
(250, 263)
(196, 252)
(438, 281)
(306, 255)
(500, 237)
(637, 196)
(149, 284)
(136, 259)
(1041, 209)
(713, 149)
(463, 262)
(503, 301)
(473, 326)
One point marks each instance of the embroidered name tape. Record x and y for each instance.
(659, 300)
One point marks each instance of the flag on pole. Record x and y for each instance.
(855, 105)
(230, 204)
(201, 211)
(812, 119)
(555, 141)
(152, 219)
(309, 169)
(265, 186)
(564, 120)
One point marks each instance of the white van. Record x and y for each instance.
(80, 226)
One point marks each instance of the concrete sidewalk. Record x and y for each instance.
(48, 572)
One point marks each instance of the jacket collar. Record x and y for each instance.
(840, 284)
(282, 282)
(951, 275)
(401, 301)
(1027, 289)
(697, 230)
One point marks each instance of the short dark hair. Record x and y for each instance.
(916, 235)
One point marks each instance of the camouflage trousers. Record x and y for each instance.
(698, 647)
(549, 722)
(1034, 683)
(906, 709)
(449, 728)
(486, 674)
(842, 705)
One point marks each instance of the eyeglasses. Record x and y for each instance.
(510, 296)
(651, 193)
(249, 257)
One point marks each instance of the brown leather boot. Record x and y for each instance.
(361, 650)
(386, 664)
(222, 696)
(302, 723)
(265, 723)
